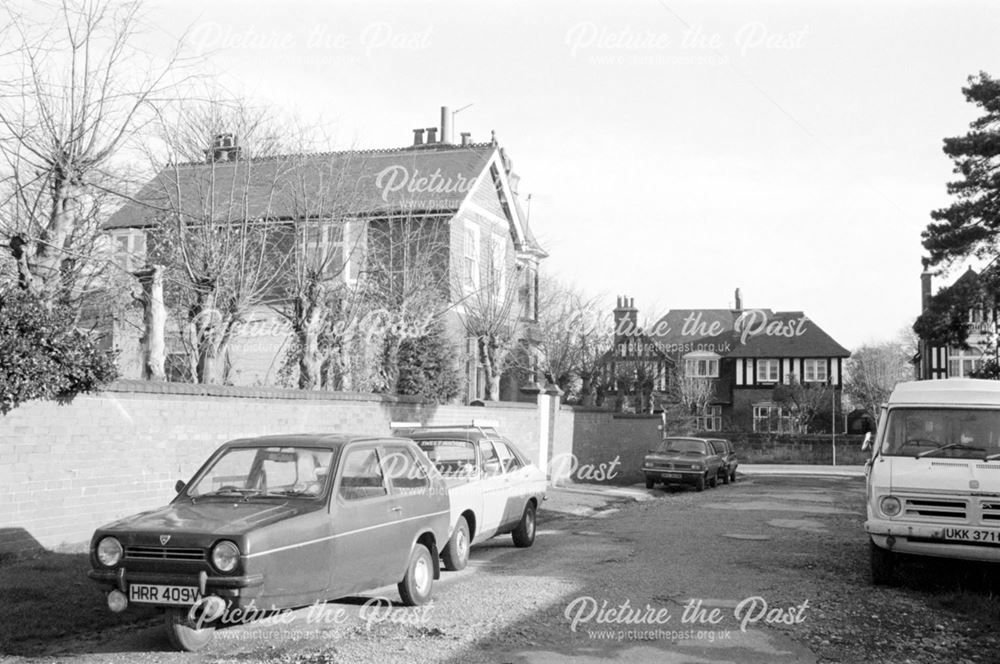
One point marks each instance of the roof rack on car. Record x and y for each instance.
(484, 427)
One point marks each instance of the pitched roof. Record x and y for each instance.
(413, 179)
(744, 333)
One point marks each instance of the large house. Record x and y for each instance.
(966, 302)
(462, 195)
(759, 363)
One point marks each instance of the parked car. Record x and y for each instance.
(730, 461)
(278, 522)
(683, 460)
(493, 487)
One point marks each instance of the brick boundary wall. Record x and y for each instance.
(67, 469)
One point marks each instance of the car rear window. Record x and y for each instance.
(451, 457)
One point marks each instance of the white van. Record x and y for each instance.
(934, 476)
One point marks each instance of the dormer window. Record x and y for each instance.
(768, 371)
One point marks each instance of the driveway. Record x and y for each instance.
(770, 569)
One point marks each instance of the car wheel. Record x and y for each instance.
(524, 534)
(183, 634)
(725, 476)
(699, 484)
(883, 564)
(650, 482)
(732, 476)
(713, 481)
(456, 553)
(415, 588)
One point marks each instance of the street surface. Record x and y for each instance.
(773, 569)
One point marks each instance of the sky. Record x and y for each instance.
(673, 151)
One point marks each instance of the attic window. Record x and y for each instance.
(701, 364)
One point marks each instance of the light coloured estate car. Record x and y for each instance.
(493, 487)
(934, 475)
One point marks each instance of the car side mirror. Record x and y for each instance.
(866, 444)
(179, 486)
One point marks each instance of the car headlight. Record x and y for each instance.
(697, 466)
(647, 464)
(109, 551)
(890, 505)
(225, 556)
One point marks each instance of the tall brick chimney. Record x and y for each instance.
(626, 319)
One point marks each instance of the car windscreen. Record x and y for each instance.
(681, 446)
(451, 457)
(265, 472)
(964, 433)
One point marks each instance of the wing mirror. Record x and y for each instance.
(866, 444)
(179, 486)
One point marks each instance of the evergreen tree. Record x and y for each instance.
(427, 366)
(971, 224)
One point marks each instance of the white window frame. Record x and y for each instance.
(961, 362)
(710, 420)
(764, 415)
(764, 370)
(130, 255)
(814, 371)
(701, 364)
(470, 259)
(326, 246)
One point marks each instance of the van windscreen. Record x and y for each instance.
(964, 433)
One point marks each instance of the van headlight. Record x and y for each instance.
(225, 556)
(109, 551)
(890, 506)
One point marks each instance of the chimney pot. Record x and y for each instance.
(418, 136)
(445, 125)
(739, 300)
(431, 135)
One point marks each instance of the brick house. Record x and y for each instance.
(463, 195)
(754, 358)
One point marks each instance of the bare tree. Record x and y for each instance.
(687, 398)
(573, 337)
(805, 401)
(75, 88)
(490, 313)
(219, 222)
(873, 370)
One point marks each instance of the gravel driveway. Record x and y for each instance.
(771, 569)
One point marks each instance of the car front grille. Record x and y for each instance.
(934, 508)
(163, 553)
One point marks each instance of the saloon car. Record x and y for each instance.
(683, 460)
(279, 522)
(493, 487)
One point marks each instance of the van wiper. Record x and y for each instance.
(992, 457)
(950, 446)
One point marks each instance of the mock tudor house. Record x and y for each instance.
(752, 357)
(468, 190)
(937, 358)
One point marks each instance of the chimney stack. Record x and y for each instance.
(466, 138)
(445, 125)
(418, 136)
(626, 319)
(431, 135)
(738, 301)
(225, 147)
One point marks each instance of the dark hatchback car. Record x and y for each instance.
(683, 460)
(279, 522)
(730, 461)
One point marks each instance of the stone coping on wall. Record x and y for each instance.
(239, 392)
(198, 389)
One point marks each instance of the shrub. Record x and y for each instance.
(427, 367)
(43, 355)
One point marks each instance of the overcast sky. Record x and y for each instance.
(674, 151)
